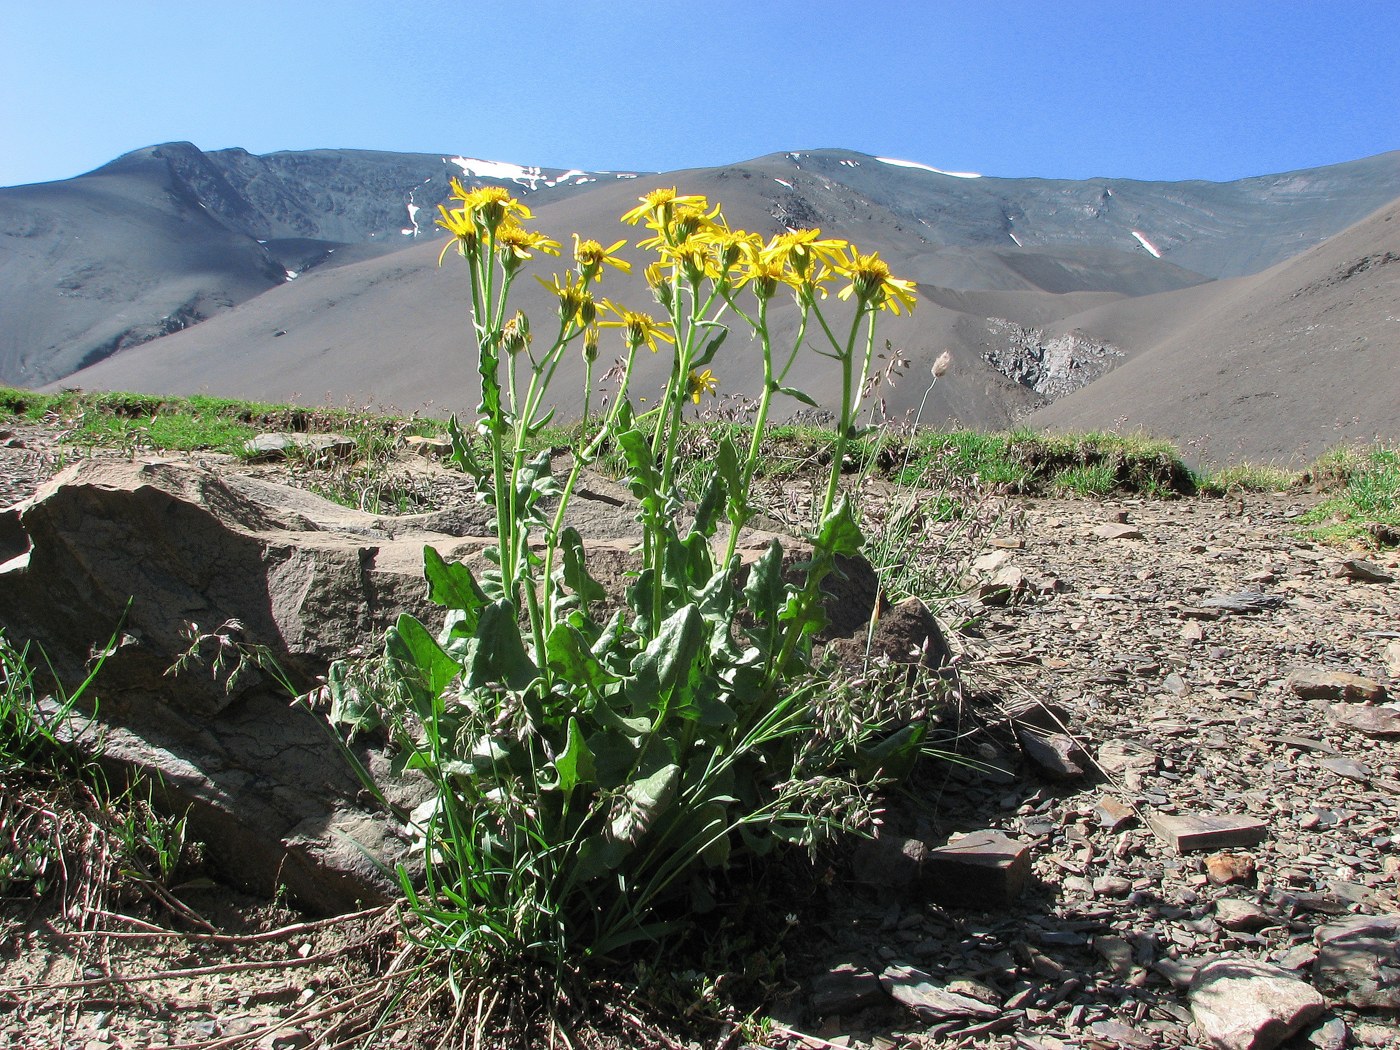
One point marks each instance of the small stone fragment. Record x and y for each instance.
(1331, 1034)
(1358, 961)
(1240, 1004)
(1117, 953)
(1225, 868)
(916, 989)
(1238, 915)
(844, 989)
(1363, 571)
(984, 869)
(1116, 1033)
(1117, 531)
(1193, 632)
(1055, 754)
(1368, 719)
(1317, 684)
(1112, 886)
(1113, 815)
(272, 447)
(1392, 658)
(1243, 602)
(1188, 833)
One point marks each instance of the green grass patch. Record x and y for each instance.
(1364, 501)
(1246, 477)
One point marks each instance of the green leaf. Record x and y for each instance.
(571, 660)
(574, 569)
(462, 453)
(421, 664)
(766, 591)
(893, 756)
(350, 707)
(798, 395)
(452, 585)
(711, 347)
(839, 532)
(642, 803)
(575, 764)
(672, 652)
(496, 654)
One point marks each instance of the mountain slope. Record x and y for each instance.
(164, 237)
(1280, 365)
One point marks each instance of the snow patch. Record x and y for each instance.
(780, 182)
(499, 169)
(1142, 240)
(582, 179)
(850, 163)
(292, 275)
(925, 167)
(1015, 238)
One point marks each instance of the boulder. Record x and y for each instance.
(1358, 961)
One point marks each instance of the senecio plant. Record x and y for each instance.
(598, 761)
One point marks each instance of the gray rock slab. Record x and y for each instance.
(1322, 684)
(1378, 720)
(1358, 961)
(1057, 755)
(1240, 1004)
(929, 1000)
(845, 988)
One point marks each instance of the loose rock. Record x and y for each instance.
(1188, 834)
(1358, 961)
(1335, 685)
(984, 869)
(917, 990)
(1240, 1004)
(1225, 868)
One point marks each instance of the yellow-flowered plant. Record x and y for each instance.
(587, 771)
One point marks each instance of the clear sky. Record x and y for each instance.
(1151, 89)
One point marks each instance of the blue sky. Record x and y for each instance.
(1169, 89)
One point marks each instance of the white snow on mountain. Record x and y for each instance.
(925, 167)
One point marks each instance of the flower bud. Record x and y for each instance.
(940, 366)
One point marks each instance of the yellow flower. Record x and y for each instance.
(516, 244)
(575, 300)
(694, 259)
(590, 343)
(803, 247)
(638, 328)
(658, 206)
(457, 222)
(702, 383)
(515, 336)
(872, 283)
(591, 256)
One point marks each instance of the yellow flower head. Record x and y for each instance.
(803, 247)
(763, 271)
(591, 257)
(871, 282)
(693, 258)
(458, 222)
(659, 205)
(515, 336)
(516, 244)
(701, 383)
(590, 343)
(575, 300)
(637, 328)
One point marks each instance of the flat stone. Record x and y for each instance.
(1347, 768)
(1057, 755)
(1368, 719)
(1358, 961)
(1392, 658)
(1243, 602)
(918, 990)
(272, 447)
(1319, 684)
(1113, 815)
(1189, 833)
(1363, 571)
(1331, 1034)
(1240, 1004)
(1117, 953)
(844, 989)
(1112, 886)
(984, 869)
(428, 447)
(1114, 530)
(1235, 914)
(1225, 868)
